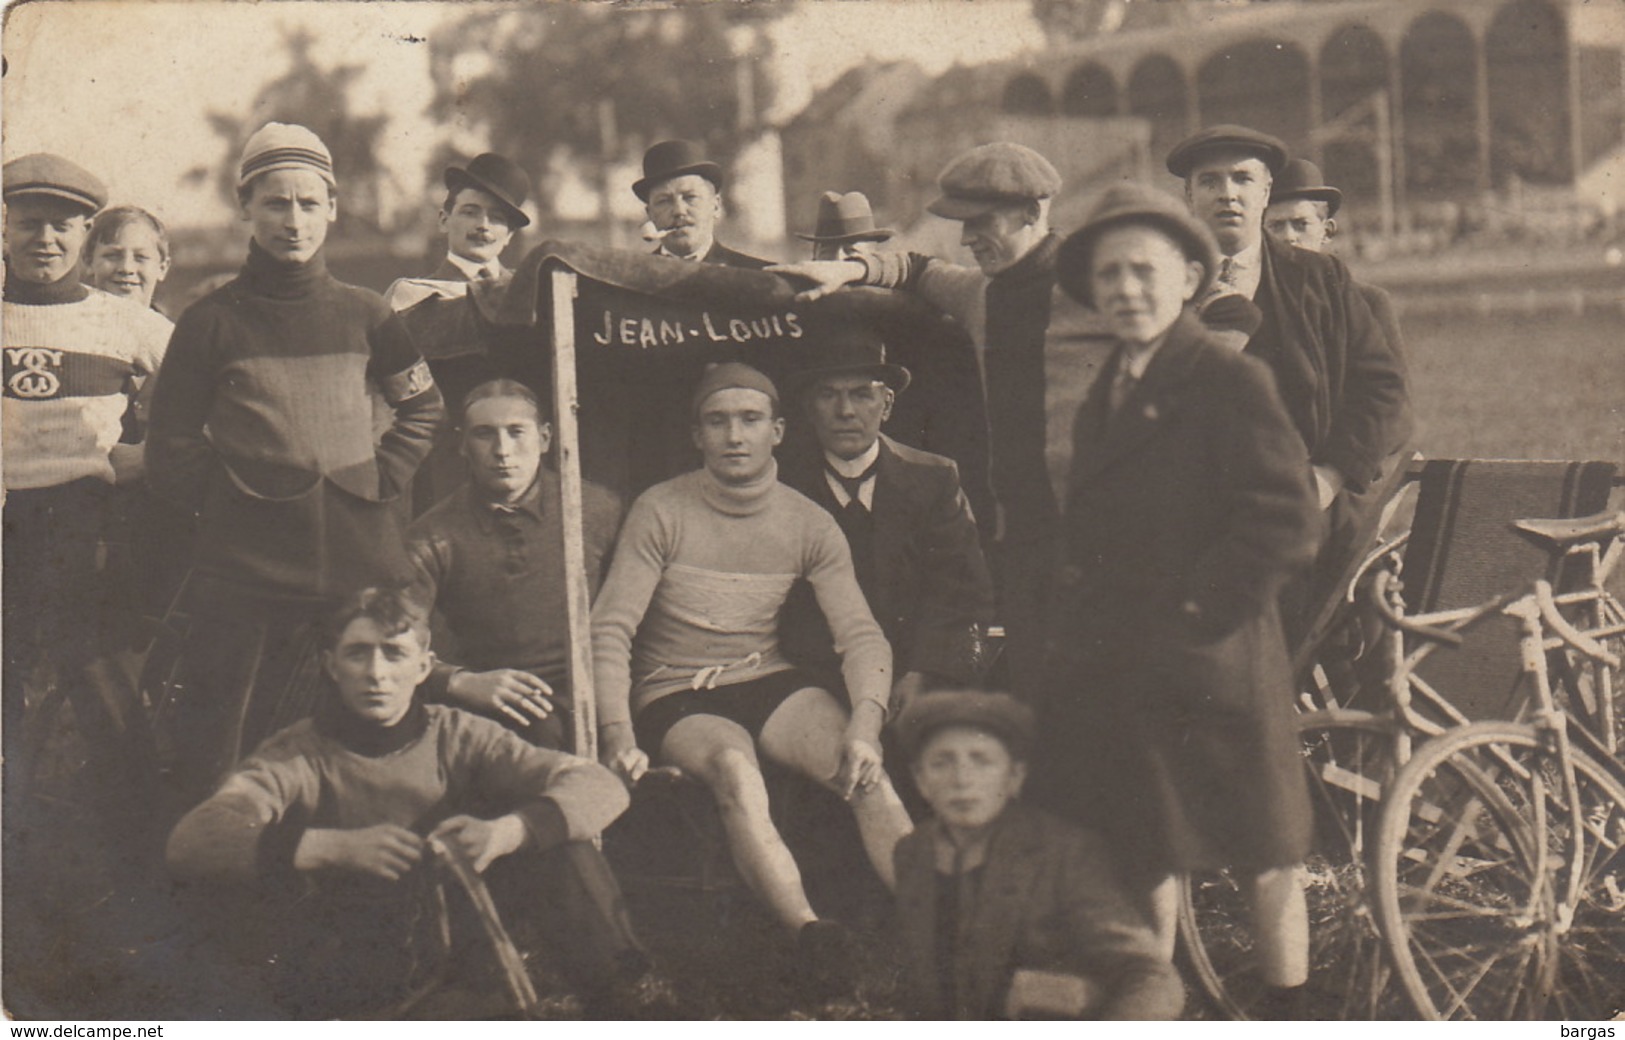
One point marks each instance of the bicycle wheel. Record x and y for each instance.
(1472, 875)
(1348, 758)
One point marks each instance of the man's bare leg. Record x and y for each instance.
(720, 754)
(805, 734)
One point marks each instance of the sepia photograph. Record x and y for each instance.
(834, 510)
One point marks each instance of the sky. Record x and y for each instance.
(123, 87)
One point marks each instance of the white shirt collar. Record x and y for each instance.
(1247, 269)
(663, 251)
(850, 468)
(471, 268)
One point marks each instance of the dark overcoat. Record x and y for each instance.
(1342, 381)
(926, 582)
(1170, 722)
(1048, 900)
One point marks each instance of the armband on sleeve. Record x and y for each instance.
(407, 383)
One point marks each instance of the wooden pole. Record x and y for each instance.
(568, 438)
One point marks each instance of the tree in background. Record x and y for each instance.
(318, 98)
(560, 85)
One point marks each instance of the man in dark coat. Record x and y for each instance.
(1188, 504)
(1001, 194)
(1342, 381)
(449, 313)
(682, 192)
(914, 543)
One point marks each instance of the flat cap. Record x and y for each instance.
(1226, 137)
(285, 146)
(1131, 203)
(996, 713)
(45, 174)
(1302, 179)
(732, 375)
(993, 175)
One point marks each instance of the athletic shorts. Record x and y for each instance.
(750, 704)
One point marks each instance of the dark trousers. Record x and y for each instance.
(1024, 573)
(249, 667)
(360, 946)
(64, 614)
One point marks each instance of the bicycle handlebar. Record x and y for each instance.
(1380, 591)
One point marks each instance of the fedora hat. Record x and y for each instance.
(1230, 138)
(670, 159)
(499, 177)
(1131, 203)
(1302, 179)
(845, 218)
(854, 350)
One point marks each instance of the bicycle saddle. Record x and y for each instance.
(1563, 533)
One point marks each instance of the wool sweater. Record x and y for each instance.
(496, 575)
(74, 358)
(316, 774)
(278, 367)
(700, 574)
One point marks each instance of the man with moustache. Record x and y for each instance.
(681, 191)
(449, 313)
(263, 421)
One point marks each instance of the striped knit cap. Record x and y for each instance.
(285, 146)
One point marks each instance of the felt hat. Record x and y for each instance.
(1226, 137)
(851, 351)
(670, 159)
(731, 375)
(996, 713)
(45, 174)
(1131, 203)
(499, 177)
(993, 175)
(846, 218)
(285, 146)
(1302, 179)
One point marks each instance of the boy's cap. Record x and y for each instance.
(732, 375)
(285, 146)
(1226, 137)
(1132, 203)
(45, 174)
(992, 175)
(997, 713)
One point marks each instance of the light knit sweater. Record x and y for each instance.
(700, 574)
(70, 371)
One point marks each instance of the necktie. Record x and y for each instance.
(1123, 384)
(1227, 272)
(851, 485)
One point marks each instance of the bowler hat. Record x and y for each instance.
(497, 176)
(45, 174)
(670, 159)
(1130, 203)
(845, 218)
(1302, 179)
(851, 351)
(1226, 137)
(997, 713)
(993, 175)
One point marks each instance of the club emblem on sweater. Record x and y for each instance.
(34, 372)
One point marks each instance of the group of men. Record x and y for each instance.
(742, 612)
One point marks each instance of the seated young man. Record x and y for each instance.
(687, 660)
(1005, 911)
(347, 802)
(490, 559)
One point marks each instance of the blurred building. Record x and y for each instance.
(1412, 107)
